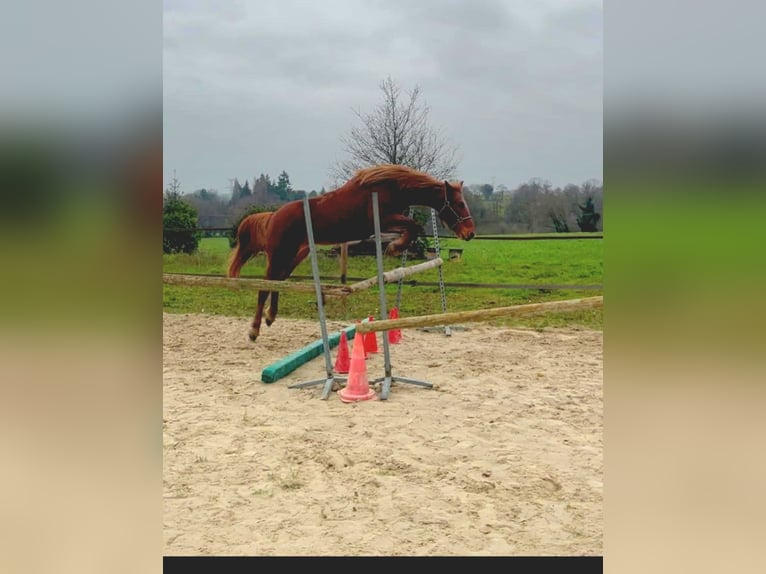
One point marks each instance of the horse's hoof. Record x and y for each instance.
(269, 322)
(269, 317)
(253, 335)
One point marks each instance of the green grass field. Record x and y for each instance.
(509, 262)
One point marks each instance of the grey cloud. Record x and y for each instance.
(270, 86)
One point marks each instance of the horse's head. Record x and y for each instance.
(455, 213)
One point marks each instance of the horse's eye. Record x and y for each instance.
(460, 205)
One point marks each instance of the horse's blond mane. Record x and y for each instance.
(405, 176)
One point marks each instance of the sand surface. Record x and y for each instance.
(503, 457)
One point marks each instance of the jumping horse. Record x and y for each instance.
(345, 214)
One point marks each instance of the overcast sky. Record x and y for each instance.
(261, 87)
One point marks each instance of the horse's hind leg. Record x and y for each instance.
(243, 251)
(255, 328)
(238, 260)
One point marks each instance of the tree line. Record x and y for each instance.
(534, 206)
(216, 209)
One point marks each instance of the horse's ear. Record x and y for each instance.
(461, 183)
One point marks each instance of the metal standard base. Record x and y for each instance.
(331, 378)
(388, 378)
(386, 387)
(327, 385)
(448, 331)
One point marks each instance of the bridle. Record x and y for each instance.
(447, 205)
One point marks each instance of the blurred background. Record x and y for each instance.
(80, 341)
(684, 163)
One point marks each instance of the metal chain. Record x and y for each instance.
(435, 229)
(442, 293)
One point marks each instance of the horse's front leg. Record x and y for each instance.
(273, 309)
(408, 228)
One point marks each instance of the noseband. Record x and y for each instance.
(447, 205)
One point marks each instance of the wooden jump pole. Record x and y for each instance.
(481, 314)
(395, 275)
(249, 283)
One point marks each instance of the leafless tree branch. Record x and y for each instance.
(396, 131)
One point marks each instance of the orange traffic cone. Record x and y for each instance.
(394, 335)
(357, 387)
(343, 361)
(363, 345)
(371, 340)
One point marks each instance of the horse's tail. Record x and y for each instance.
(240, 255)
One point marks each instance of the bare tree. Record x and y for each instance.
(396, 131)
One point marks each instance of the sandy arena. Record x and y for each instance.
(503, 457)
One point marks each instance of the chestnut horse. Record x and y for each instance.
(345, 214)
(251, 240)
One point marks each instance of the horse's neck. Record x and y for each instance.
(428, 197)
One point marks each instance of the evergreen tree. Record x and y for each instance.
(283, 187)
(179, 221)
(236, 190)
(588, 220)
